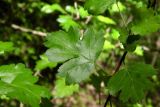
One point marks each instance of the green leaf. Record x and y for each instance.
(62, 45)
(6, 47)
(83, 13)
(98, 6)
(132, 82)
(139, 51)
(115, 34)
(146, 22)
(80, 53)
(17, 82)
(44, 63)
(66, 22)
(131, 42)
(123, 35)
(62, 90)
(70, 9)
(52, 8)
(108, 45)
(76, 70)
(119, 8)
(106, 20)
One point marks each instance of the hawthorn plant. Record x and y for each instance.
(78, 47)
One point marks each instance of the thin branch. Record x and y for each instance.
(107, 100)
(121, 61)
(122, 58)
(110, 103)
(116, 70)
(89, 18)
(21, 104)
(77, 12)
(23, 29)
(123, 20)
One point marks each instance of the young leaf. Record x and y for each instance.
(132, 82)
(51, 8)
(62, 90)
(44, 63)
(83, 53)
(98, 6)
(66, 22)
(131, 42)
(83, 13)
(17, 82)
(106, 20)
(6, 46)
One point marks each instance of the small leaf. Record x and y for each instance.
(115, 34)
(131, 42)
(98, 6)
(108, 45)
(106, 20)
(132, 38)
(51, 8)
(139, 51)
(6, 47)
(70, 9)
(44, 63)
(120, 7)
(62, 90)
(66, 22)
(83, 13)
(132, 82)
(123, 35)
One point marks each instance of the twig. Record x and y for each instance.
(107, 100)
(123, 20)
(121, 61)
(77, 12)
(110, 103)
(123, 56)
(116, 70)
(89, 18)
(23, 29)
(21, 104)
(154, 59)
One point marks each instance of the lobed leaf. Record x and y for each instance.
(17, 82)
(146, 22)
(132, 82)
(80, 53)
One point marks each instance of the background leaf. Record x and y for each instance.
(98, 6)
(6, 47)
(62, 90)
(44, 63)
(146, 22)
